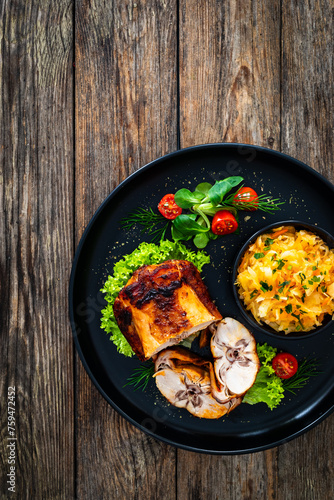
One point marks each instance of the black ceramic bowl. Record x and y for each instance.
(327, 238)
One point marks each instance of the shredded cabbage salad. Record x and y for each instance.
(286, 279)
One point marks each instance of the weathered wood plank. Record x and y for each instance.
(307, 134)
(230, 91)
(36, 165)
(243, 477)
(307, 83)
(230, 72)
(125, 116)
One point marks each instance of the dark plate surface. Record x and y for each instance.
(308, 197)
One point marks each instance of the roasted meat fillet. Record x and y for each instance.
(185, 379)
(163, 304)
(236, 362)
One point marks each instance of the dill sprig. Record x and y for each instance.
(264, 202)
(149, 222)
(307, 368)
(141, 376)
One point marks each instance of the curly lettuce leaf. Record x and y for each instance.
(144, 254)
(268, 388)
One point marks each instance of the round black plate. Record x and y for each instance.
(308, 197)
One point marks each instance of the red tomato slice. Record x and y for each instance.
(285, 365)
(168, 208)
(246, 195)
(224, 222)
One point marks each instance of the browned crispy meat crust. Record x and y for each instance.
(154, 292)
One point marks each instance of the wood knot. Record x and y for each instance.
(242, 79)
(271, 141)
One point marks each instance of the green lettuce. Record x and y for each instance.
(144, 254)
(268, 388)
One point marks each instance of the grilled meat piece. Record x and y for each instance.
(185, 378)
(162, 304)
(236, 362)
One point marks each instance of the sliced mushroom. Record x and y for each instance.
(236, 362)
(185, 380)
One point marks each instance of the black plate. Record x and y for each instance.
(308, 197)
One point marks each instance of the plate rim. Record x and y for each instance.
(75, 260)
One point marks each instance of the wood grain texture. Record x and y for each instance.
(307, 83)
(307, 134)
(126, 106)
(36, 244)
(229, 87)
(126, 116)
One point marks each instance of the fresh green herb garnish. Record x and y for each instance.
(203, 203)
(299, 320)
(268, 242)
(153, 223)
(263, 202)
(281, 263)
(282, 286)
(141, 376)
(265, 287)
(258, 255)
(302, 277)
(306, 369)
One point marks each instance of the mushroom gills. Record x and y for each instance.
(236, 362)
(185, 380)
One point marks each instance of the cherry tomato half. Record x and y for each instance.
(247, 195)
(168, 208)
(224, 222)
(285, 365)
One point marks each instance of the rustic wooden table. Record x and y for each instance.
(90, 91)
